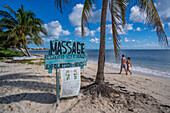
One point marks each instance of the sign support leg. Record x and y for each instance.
(58, 84)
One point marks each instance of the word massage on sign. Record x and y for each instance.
(63, 47)
(63, 54)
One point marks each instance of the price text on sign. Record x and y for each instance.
(70, 81)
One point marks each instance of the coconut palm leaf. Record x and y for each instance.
(60, 4)
(6, 21)
(118, 12)
(5, 14)
(87, 9)
(154, 20)
(10, 10)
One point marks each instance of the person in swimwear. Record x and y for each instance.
(123, 64)
(128, 66)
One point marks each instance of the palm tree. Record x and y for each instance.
(22, 27)
(117, 9)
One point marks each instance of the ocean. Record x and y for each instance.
(146, 62)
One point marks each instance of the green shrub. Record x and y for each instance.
(10, 53)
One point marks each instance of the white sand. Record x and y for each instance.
(28, 88)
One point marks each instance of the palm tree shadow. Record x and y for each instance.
(27, 81)
(7, 80)
(21, 76)
(46, 98)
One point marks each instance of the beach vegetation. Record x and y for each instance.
(7, 53)
(118, 11)
(20, 28)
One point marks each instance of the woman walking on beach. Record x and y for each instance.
(128, 66)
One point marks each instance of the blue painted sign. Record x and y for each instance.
(63, 54)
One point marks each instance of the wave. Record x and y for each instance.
(137, 70)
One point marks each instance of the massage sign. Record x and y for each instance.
(67, 58)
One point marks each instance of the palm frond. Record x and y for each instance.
(87, 9)
(11, 10)
(6, 26)
(154, 20)
(5, 14)
(118, 12)
(6, 21)
(60, 4)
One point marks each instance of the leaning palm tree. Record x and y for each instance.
(23, 26)
(118, 11)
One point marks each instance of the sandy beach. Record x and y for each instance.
(26, 88)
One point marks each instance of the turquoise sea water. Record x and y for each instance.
(148, 62)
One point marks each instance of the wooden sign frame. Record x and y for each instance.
(64, 54)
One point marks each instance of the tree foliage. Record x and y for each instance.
(21, 28)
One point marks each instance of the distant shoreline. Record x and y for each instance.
(38, 49)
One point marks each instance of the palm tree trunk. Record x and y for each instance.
(25, 46)
(101, 59)
(22, 51)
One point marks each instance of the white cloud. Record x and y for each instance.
(54, 30)
(92, 33)
(126, 28)
(65, 33)
(168, 38)
(77, 31)
(95, 16)
(169, 25)
(133, 40)
(95, 40)
(163, 9)
(109, 38)
(138, 29)
(120, 41)
(75, 16)
(136, 15)
(87, 32)
(126, 39)
(98, 29)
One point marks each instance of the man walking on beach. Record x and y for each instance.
(123, 64)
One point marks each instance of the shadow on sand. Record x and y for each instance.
(27, 82)
(21, 76)
(46, 98)
(112, 73)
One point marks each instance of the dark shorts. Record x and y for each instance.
(123, 65)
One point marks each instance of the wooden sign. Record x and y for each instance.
(64, 54)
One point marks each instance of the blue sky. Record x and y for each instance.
(66, 26)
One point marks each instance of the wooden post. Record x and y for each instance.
(58, 84)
